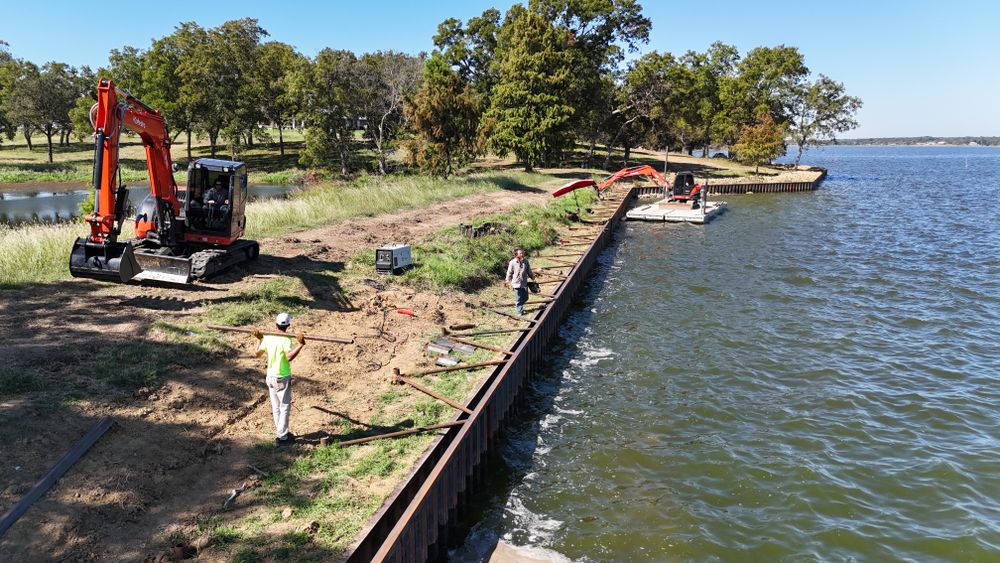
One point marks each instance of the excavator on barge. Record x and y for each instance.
(682, 202)
(181, 232)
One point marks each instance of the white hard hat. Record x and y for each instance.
(283, 319)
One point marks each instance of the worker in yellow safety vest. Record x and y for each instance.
(280, 352)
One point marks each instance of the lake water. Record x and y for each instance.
(811, 376)
(49, 205)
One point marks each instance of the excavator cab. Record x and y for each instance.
(685, 188)
(214, 201)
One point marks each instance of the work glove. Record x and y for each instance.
(257, 334)
(301, 338)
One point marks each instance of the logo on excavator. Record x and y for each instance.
(139, 122)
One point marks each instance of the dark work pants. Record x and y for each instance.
(521, 295)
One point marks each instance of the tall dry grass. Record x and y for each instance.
(40, 253)
(36, 253)
(370, 196)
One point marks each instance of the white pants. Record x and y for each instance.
(280, 390)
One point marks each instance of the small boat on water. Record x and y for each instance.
(683, 202)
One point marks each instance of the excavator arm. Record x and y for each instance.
(604, 185)
(100, 255)
(116, 109)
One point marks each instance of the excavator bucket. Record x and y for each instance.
(109, 261)
(163, 267)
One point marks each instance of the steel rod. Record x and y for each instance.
(485, 332)
(458, 368)
(402, 433)
(58, 470)
(317, 337)
(434, 394)
(516, 318)
(478, 345)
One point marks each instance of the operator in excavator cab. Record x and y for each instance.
(217, 195)
(217, 199)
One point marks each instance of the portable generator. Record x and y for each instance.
(393, 259)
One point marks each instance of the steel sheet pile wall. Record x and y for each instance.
(767, 187)
(410, 525)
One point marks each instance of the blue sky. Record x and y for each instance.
(921, 67)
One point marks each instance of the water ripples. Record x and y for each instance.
(812, 377)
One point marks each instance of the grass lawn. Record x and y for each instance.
(74, 162)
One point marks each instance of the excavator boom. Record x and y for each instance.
(101, 255)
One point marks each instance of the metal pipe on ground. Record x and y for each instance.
(58, 470)
(458, 368)
(317, 337)
(477, 345)
(430, 392)
(485, 332)
(402, 433)
(515, 317)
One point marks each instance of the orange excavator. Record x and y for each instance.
(685, 188)
(181, 233)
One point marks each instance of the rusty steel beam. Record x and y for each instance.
(401, 433)
(58, 470)
(459, 368)
(485, 332)
(430, 392)
(478, 345)
(320, 338)
(515, 317)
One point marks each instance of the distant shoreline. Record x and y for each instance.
(966, 141)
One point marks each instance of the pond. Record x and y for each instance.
(52, 203)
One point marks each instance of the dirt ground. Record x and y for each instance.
(179, 447)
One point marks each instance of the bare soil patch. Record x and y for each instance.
(183, 443)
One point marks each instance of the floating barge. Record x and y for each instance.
(677, 212)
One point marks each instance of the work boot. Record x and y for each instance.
(286, 440)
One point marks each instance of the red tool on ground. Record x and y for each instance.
(406, 312)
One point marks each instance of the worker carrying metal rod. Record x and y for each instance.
(280, 352)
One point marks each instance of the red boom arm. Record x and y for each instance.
(116, 109)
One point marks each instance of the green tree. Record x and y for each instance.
(598, 33)
(386, 79)
(470, 49)
(79, 116)
(126, 67)
(278, 64)
(765, 81)
(328, 88)
(236, 46)
(20, 109)
(647, 107)
(529, 114)
(444, 117)
(42, 100)
(8, 74)
(162, 80)
(202, 88)
(818, 111)
(760, 142)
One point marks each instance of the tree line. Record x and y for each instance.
(543, 82)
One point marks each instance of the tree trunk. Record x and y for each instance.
(628, 153)
(590, 151)
(250, 138)
(213, 136)
(27, 137)
(666, 159)
(798, 155)
(48, 134)
(281, 141)
(189, 145)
